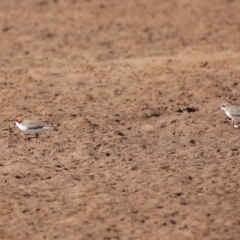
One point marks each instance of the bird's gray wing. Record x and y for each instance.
(33, 124)
(235, 110)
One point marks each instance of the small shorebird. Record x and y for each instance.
(232, 111)
(32, 127)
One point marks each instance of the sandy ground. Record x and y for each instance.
(142, 150)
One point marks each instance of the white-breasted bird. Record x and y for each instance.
(32, 127)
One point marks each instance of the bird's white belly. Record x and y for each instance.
(25, 129)
(33, 131)
(233, 117)
(237, 118)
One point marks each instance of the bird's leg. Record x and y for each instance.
(30, 137)
(37, 135)
(235, 126)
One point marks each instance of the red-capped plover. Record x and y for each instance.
(232, 111)
(32, 127)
